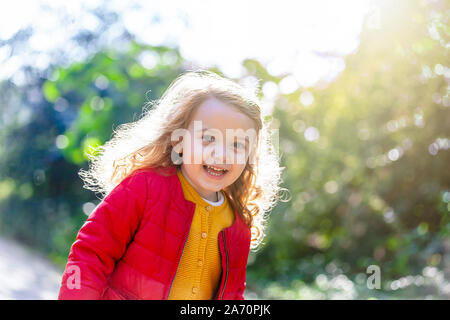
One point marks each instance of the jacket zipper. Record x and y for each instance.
(171, 283)
(226, 274)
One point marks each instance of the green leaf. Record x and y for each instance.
(50, 91)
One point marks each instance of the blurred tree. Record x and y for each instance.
(49, 122)
(367, 155)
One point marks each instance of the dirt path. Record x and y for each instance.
(25, 275)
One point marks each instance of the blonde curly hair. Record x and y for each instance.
(146, 143)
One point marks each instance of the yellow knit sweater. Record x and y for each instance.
(200, 268)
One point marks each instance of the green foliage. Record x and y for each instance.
(108, 89)
(369, 189)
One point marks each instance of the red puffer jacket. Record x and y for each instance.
(130, 246)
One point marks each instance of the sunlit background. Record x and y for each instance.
(306, 38)
(359, 91)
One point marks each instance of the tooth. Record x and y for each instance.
(214, 169)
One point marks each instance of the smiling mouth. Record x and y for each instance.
(214, 171)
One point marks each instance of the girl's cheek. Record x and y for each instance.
(241, 157)
(192, 153)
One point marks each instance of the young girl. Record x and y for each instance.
(185, 200)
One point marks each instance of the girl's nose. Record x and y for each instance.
(220, 154)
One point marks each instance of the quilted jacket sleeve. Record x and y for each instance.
(103, 239)
(240, 293)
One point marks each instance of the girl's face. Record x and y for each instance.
(216, 147)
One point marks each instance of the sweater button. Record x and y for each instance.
(194, 290)
(200, 263)
(208, 208)
(204, 235)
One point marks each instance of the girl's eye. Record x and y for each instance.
(208, 138)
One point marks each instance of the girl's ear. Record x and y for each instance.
(177, 146)
(176, 156)
(177, 151)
